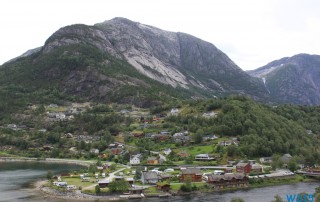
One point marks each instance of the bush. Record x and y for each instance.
(97, 189)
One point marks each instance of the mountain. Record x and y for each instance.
(292, 79)
(125, 61)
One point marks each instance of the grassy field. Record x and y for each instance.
(272, 182)
(194, 150)
(77, 181)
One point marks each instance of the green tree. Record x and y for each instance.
(49, 175)
(118, 186)
(187, 186)
(197, 137)
(92, 168)
(97, 189)
(139, 170)
(292, 165)
(278, 199)
(233, 150)
(237, 199)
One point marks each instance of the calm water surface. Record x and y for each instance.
(16, 182)
(16, 178)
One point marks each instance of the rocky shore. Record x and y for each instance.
(76, 195)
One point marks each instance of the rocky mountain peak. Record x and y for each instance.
(175, 60)
(292, 79)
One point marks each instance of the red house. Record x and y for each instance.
(243, 168)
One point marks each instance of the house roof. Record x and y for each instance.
(287, 156)
(256, 166)
(189, 171)
(241, 164)
(139, 156)
(227, 177)
(203, 155)
(150, 175)
(151, 158)
(104, 181)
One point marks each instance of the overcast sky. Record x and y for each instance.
(251, 32)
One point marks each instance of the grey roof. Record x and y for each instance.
(226, 177)
(103, 181)
(287, 155)
(195, 171)
(241, 164)
(151, 158)
(150, 175)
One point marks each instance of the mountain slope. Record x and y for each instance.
(124, 61)
(171, 58)
(293, 79)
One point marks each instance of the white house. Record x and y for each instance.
(60, 116)
(167, 151)
(204, 157)
(94, 151)
(266, 160)
(174, 111)
(135, 159)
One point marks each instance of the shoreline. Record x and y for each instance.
(77, 195)
(46, 160)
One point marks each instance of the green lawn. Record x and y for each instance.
(176, 186)
(77, 182)
(194, 150)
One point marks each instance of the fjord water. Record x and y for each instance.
(16, 180)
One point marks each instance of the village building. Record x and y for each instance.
(193, 174)
(167, 151)
(103, 183)
(135, 159)
(116, 151)
(256, 168)
(163, 186)
(149, 177)
(183, 154)
(265, 160)
(204, 157)
(243, 168)
(226, 143)
(286, 158)
(219, 182)
(136, 190)
(94, 151)
(210, 137)
(152, 161)
(228, 170)
(174, 111)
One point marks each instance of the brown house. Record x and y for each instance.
(183, 154)
(192, 174)
(243, 168)
(116, 151)
(219, 182)
(163, 186)
(228, 170)
(152, 160)
(137, 133)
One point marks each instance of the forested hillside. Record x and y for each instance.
(258, 129)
